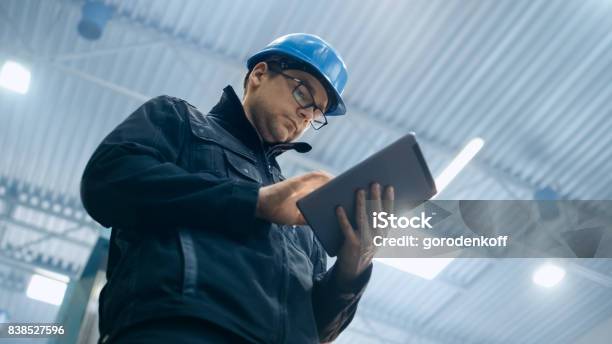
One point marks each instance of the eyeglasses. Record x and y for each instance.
(305, 100)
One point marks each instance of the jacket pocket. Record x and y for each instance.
(207, 157)
(216, 152)
(238, 167)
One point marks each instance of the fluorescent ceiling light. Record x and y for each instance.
(463, 158)
(15, 77)
(46, 290)
(52, 275)
(427, 268)
(548, 275)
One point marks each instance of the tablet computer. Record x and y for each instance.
(400, 164)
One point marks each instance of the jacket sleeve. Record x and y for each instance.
(334, 308)
(132, 179)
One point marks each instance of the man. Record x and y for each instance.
(204, 243)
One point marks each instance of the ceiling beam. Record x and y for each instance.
(590, 274)
(19, 223)
(78, 55)
(125, 91)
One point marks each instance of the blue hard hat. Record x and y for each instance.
(318, 56)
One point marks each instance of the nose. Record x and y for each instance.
(307, 113)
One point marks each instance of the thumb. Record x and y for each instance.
(316, 177)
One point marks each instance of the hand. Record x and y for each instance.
(277, 202)
(358, 248)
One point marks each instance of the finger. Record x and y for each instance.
(389, 205)
(361, 215)
(345, 224)
(318, 176)
(389, 199)
(325, 174)
(300, 186)
(360, 211)
(375, 197)
(312, 180)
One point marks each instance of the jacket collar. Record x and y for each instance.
(233, 119)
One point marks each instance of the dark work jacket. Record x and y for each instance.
(179, 189)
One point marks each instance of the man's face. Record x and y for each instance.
(272, 108)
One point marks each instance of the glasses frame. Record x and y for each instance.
(319, 124)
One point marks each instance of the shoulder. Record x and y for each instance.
(168, 99)
(165, 105)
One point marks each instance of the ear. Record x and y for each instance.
(258, 73)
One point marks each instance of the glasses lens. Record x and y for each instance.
(319, 121)
(317, 125)
(303, 96)
(318, 116)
